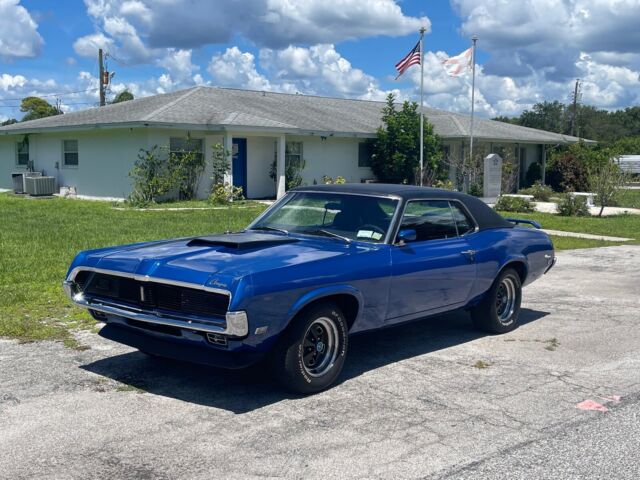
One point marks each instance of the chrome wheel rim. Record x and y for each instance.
(320, 347)
(506, 300)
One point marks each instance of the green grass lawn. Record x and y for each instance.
(195, 204)
(627, 226)
(629, 198)
(39, 238)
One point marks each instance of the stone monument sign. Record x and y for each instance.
(492, 176)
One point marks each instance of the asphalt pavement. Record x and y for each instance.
(432, 399)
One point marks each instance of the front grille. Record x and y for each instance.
(152, 295)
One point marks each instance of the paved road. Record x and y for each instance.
(410, 404)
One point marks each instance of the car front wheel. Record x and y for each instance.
(499, 310)
(311, 354)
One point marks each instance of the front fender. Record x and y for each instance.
(324, 292)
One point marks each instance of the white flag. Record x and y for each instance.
(458, 65)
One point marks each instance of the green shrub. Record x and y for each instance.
(444, 184)
(186, 167)
(475, 189)
(292, 174)
(514, 204)
(223, 194)
(339, 180)
(567, 172)
(534, 173)
(541, 193)
(572, 206)
(150, 176)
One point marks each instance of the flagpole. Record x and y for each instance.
(474, 39)
(422, 30)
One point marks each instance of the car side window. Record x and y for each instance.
(463, 222)
(431, 219)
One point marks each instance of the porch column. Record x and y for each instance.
(280, 167)
(227, 143)
(544, 164)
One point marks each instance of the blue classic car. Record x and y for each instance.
(321, 263)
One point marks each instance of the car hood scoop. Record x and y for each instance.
(241, 240)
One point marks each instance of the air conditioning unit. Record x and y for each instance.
(40, 185)
(18, 178)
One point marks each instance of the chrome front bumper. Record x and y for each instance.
(236, 323)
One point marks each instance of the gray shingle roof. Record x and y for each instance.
(216, 108)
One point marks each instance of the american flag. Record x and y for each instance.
(412, 58)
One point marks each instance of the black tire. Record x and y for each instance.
(499, 310)
(310, 355)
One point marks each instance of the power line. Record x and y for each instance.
(76, 103)
(50, 95)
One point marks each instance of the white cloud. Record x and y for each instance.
(266, 23)
(178, 64)
(19, 37)
(9, 82)
(319, 69)
(234, 68)
(320, 21)
(88, 45)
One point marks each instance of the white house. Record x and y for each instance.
(93, 150)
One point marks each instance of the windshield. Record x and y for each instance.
(350, 217)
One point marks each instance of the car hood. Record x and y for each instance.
(218, 261)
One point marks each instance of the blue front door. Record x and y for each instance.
(239, 167)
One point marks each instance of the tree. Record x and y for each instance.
(396, 148)
(627, 146)
(123, 96)
(593, 123)
(36, 107)
(9, 121)
(550, 116)
(605, 179)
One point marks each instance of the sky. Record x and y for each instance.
(528, 50)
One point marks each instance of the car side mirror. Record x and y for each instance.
(407, 235)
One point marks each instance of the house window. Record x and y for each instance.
(293, 154)
(22, 154)
(70, 153)
(180, 145)
(365, 151)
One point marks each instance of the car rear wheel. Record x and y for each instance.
(311, 354)
(499, 310)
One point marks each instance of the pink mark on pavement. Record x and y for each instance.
(615, 399)
(592, 405)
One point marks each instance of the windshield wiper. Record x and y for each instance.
(270, 229)
(327, 233)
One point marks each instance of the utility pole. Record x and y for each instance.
(576, 98)
(101, 77)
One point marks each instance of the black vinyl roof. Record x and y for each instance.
(484, 215)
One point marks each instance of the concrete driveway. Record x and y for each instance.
(412, 401)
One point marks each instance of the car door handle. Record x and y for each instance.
(470, 254)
